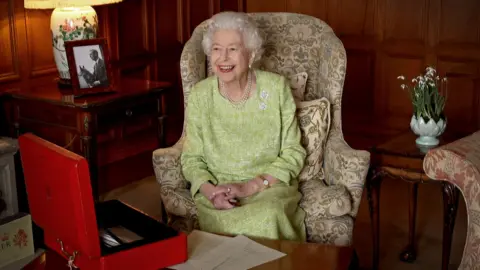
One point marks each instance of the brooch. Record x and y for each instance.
(264, 97)
(264, 94)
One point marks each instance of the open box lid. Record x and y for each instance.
(60, 194)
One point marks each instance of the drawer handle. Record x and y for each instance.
(128, 112)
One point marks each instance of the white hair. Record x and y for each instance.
(234, 21)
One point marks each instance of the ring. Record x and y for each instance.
(228, 190)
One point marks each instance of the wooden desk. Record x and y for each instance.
(309, 256)
(115, 132)
(400, 158)
(299, 256)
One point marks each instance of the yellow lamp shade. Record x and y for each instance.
(82, 3)
(50, 4)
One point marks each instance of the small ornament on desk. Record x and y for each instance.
(428, 96)
(68, 98)
(90, 67)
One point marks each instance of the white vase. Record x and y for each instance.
(76, 23)
(427, 131)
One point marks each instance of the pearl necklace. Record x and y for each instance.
(246, 93)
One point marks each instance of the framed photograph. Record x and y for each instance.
(89, 65)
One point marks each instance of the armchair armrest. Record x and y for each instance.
(174, 191)
(346, 166)
(459, 163)
(451, 161)
(166, 163)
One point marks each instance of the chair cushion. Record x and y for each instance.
(322, 201)
(314, 121)
(335, 231)
(298, 83)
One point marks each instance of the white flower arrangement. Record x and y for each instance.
(428, 95)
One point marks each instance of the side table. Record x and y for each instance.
(400, 158)
(115, 132)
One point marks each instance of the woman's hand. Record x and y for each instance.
(246, 189)
(217, 195)
(210, 191)
(242, 190)
(221, 202)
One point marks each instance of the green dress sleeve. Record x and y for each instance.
(192, 159)
(291, 158)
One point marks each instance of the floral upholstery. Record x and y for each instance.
(314, 121)
(298, 84)
(295, 43)
(459, 164)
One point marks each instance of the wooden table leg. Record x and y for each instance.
(450, 205)
(89, 150)
(373, 193)
(409, 254)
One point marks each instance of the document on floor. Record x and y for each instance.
(208, 251)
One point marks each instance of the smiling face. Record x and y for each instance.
(229, 57)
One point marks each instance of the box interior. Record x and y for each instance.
(122, 227)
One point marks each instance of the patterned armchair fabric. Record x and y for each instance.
(294, 43)
(459, 164)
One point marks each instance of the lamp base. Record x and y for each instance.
(69, 24)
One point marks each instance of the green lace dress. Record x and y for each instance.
(224, 144)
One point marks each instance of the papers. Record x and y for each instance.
(117, 235)
(208, 251)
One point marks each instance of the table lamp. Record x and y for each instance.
(70, 20)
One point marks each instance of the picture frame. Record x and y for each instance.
(89, 66)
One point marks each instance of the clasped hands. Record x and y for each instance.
(225, 196)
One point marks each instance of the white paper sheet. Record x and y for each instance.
(208, 251)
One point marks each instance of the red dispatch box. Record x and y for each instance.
(108, 235)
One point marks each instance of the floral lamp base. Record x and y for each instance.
(67, 24)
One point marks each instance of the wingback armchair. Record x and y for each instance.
(458, 163)
(294, 43)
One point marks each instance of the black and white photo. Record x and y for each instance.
(90, 66)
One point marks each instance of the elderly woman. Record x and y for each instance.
(242, 153)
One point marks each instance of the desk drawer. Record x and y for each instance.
(47, 114)
(126, 114)
(126, 122)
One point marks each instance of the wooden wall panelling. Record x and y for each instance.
(21, 67)
(198, 12)
(352, 18)
(457, 46)
(232, 5)
(266, 6)
(39, 42)
(316, 8)
(136, 37)
(401, 51)
(387, 38)
(108, 28)
(172, 31)
(459, 23)
(9, 70)
(353, 22)
(463, 92)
